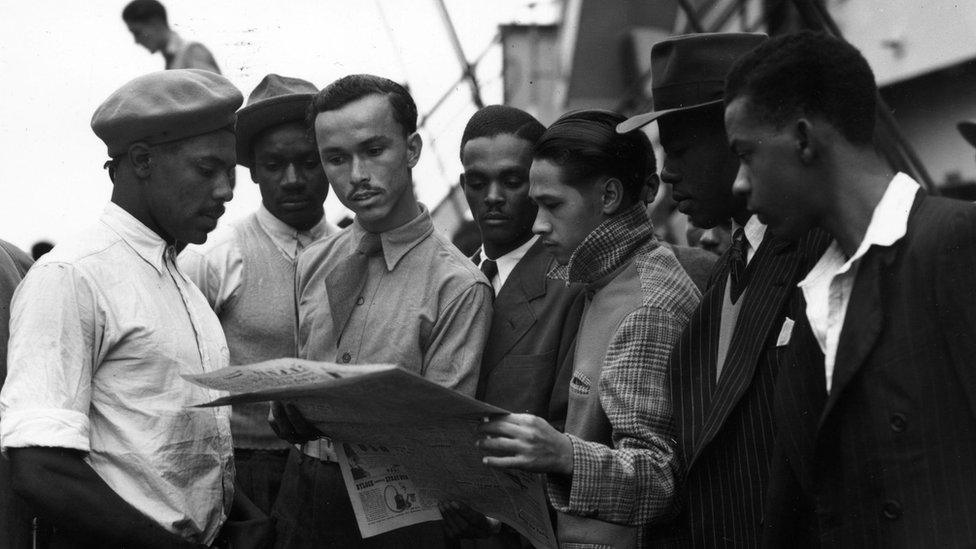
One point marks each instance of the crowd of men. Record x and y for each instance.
(814, 387)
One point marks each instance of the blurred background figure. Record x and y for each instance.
(40, 248)
(146, 20)
(715, 240)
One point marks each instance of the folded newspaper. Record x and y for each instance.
(403, 443)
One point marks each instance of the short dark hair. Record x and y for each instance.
(357, 86)
(585, 144)
(142, 11)
(502, 120)
(812, 73)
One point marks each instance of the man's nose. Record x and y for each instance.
(668, 174)
(741, 186)
(358, 172)
(541, 224)
(290, 177)
(224, 189)
(494, 196)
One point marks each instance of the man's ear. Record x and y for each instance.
(805, 140)
(141, 158)
(414, 145)
(612, 196)
(461, 180)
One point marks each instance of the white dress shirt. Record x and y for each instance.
(217, 266)
(827, 287)
(754, 233)
(100, 330)
(506, 263)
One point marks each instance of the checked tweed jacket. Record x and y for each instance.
(638, 300)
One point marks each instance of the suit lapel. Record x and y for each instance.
(862, 323)
(692, 379)
(769, 287)
(865, 313)
(513, 315)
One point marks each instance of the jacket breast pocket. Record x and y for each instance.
(522, 383)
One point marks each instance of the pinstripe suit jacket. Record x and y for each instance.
(725, 429)
(888, 459)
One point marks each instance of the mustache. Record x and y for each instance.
(362, 189)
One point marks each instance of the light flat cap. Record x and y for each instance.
(276, 100)
(165, 106)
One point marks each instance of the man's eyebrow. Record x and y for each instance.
(513, 170)
(375, 140)
(213, 159)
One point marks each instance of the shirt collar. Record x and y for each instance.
(512, 257)
(754, 231)
(397, 242)
(149, 245)
(285, 237)
(607, 247)
(888, 225)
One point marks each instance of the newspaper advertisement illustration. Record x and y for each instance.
(403, 442)
(385, 497)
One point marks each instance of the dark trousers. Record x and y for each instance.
(259, 474)
(313, 510)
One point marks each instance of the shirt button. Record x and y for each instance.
(360, 301)
(897, 423)
(891, 509)
(346, 357)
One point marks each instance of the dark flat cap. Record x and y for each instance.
(165, 106)
(275, 100)
(688, 72)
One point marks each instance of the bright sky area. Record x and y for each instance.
(61, 59)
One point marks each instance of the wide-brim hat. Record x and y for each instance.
(276, 100)
(688, 72)
(968, 130)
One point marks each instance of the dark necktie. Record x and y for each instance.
(346, 282)
(738, 265)
(490, 268)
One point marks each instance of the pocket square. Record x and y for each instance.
(785, 332)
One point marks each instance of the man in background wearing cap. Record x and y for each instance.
(146, 20)
(247, 271)
(723, 370)
(387, 289)
(97, 422)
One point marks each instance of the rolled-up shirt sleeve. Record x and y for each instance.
(46, 397)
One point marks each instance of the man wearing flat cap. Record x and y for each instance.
(722, 371)
(247, 270)
(94, 415)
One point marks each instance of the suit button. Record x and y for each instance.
(897, 423)
(360, 300)
(346, 357)
(891, 509)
